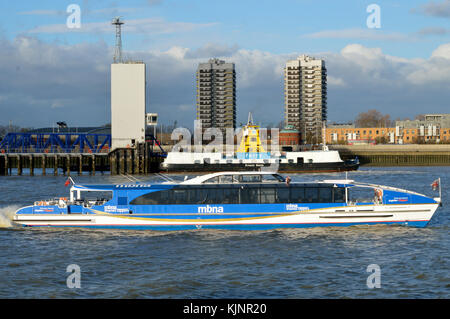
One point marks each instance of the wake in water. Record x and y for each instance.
(6, 216)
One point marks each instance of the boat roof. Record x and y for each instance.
(203, 178)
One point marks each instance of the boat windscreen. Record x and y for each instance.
(361, 194)
(95, 195)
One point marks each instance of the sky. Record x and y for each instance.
(53, 68)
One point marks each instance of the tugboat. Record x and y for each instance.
(251, 155)
(232, 201)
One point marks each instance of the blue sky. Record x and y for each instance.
(274, 26)
(366, 67)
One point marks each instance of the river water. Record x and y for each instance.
(331, 262)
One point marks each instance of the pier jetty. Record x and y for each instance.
(140, 160)
(53, 163)
(397, 155)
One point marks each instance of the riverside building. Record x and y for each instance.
(305, 96)
(216, 95)
(432, 128)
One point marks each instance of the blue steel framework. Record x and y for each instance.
(55, 143)
(62, 143)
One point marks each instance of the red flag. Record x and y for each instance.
(435, 184)
(67, 183)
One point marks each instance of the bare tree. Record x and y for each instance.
(420, 117)
(373, 118)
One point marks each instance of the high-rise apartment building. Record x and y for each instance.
(216, 94)
(305, 96)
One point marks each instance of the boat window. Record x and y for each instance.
(339, 194)
(250, 195)
(250, 178)
(272, 178)
(297, 195)
(325, 195)
(361, 194)
(279, 177)
(95, 195)
(214, 195)
(226, 179)
(282, 195)
(197, 196)
(165, 197)
(311, 195)
(179, 196)
(213, 180)
(230, 196)
(267, 195)
(152, 198)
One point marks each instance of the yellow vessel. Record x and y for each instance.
(251, 146)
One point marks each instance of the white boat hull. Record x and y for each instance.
(412, 215)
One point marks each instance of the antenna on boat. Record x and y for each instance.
(250, 119)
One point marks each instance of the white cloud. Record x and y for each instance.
(334, 81)
(443, 51)
(360, 34)
(43, 12)
(44, 82)
(429, 31)
(140, 26)
(435, 9)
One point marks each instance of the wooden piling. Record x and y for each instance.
(43, 164)
(7, 165)
(55, 165)
(19, 165)
(68, 165)
(80, 165)
(2, 165)
(31, 161)
(93, 158)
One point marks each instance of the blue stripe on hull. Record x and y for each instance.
(236, 227)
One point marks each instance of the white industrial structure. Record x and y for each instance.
(128, 99)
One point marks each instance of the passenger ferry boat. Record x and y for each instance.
(251, 155)
(231, 200)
